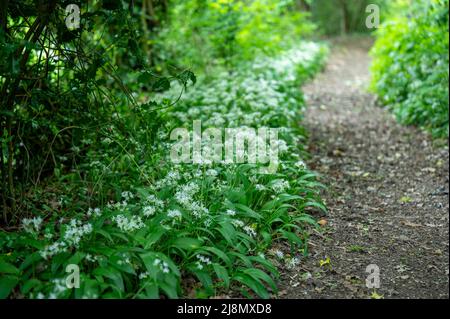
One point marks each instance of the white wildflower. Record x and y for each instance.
(212, 172)
(75, 231)
(203, 259)
(149, 211)
(144, 275)
(237, 223)
(260, 187)
(128, 224)
(32, 225)
(96, 212)
(279, 254)
(174, 213)
(127, 195)
(230, 212)
(280, 186)
(300, 164)
(152, 199)
(293, 262)
(250, 231)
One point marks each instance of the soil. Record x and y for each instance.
(387, 193)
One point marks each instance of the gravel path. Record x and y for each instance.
(387, 193)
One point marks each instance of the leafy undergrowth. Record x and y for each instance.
(177, 230)
(410, 68)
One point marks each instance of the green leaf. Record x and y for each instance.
(112, 274)
(219, 253)
(28, 285)
(204, 278)
(170, 286)
(266, 264)
(228, 232)
(292, 238)
(253, 284)
(7, 268)
(248, 212)
(261, 275)
(153, 237)
(161, 85)
(306, 218)
(150, 257)
(314, 204)
(187, 243)
(151, 291)
(222, 274)
(30, 259)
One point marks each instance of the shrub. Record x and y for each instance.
(410, 66)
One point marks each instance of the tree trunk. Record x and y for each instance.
(345, 17)
(302, 5)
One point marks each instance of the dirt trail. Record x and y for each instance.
(388, 193)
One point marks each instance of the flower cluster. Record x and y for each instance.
(174, 213)
(73, 234)
(32, 225)
(164, 266)
(202, 260)
(128, 224)
(75, 231)
(280, 186)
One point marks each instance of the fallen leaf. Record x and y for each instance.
(325, 262)
(322, 222)
(337, 153)
(410, 224)
(429, 170)
(405, 200)
(374, 295)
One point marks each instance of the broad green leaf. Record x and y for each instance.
(7, 284)
(7, 268)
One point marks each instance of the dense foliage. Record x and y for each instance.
(339, 17)
(86, 116)
(410, 67)
(204, 34)
(212, 223)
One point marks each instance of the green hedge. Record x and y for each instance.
(410, 66)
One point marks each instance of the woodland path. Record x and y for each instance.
(387, 193)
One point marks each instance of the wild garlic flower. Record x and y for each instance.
(53, 249)
(280, 186)
(126, 195)
(128, 224)
(279, 254)
(95, 212)
(260, 187)
(237, 223)
(152, 199)
(144, 275)
(32, 225)
(293, 262)
(163, 266)
(231, 212)
(203, 259)
(212, 172)
(250, 231)
(300, 164)
(174, 213)
(171, 179)
(148, 211)
(75, 231)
